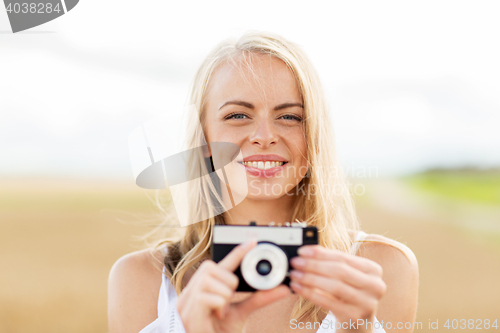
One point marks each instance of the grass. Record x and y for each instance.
(468, 185)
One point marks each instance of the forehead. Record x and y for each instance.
(256, 78)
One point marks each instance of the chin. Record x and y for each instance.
(264, 197)
(268, 190)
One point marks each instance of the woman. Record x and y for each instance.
(261, 93)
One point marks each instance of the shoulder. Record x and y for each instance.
(400, 273)
(133, 288)
(388, 251)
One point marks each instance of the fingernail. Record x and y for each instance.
(298, 262)
(296, 285)
(297, 274)
(305, 251)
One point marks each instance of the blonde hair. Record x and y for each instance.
(330, 208)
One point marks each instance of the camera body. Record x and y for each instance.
(267, 265)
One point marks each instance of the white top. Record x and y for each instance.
(169, 321)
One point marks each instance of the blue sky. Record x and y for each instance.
(410, 85)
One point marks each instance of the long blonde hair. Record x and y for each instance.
(324, 201)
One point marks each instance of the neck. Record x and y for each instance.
(263, 212)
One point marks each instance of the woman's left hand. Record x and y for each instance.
(348, 286)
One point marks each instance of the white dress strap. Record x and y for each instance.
(168, 318)
(162, 297)
(358, 241)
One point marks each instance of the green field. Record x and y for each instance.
(465, 184)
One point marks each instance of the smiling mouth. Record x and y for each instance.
(263, 165)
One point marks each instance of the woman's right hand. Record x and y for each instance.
(204, 304)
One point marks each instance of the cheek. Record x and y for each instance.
(219, 133)
(296, 143)
(299, 146)
(303, 163)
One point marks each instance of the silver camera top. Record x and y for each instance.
(237, 234)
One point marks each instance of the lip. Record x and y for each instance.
(269, 173)
(264, 158)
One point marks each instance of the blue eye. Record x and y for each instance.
(291, 117)
(236, 116)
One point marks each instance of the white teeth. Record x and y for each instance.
(263, 165)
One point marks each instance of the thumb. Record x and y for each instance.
(260, 299)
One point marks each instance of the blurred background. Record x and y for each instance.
(415, 103)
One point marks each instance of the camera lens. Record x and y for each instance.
(264, 267)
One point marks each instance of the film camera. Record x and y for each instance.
(267, 265)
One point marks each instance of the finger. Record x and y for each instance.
(319, 252)
(339, 308)
(217, 287)
(260, 299)
(211, 301)
(334, 269)
(368, 284)
(208, 267)
(228, 278)
(221, 312)
(234, 258)
(333, 287)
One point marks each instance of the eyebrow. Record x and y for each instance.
(250, 106)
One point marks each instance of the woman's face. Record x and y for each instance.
(260, 110)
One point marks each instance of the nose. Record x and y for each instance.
(264, 135)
